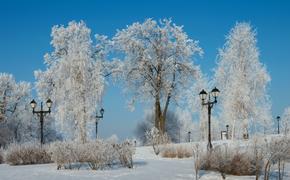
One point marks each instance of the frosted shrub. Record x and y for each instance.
(28, 153)
(62, 153)
(125, 152)
(96, 154)
(100, 154)
(169, 152)
(176, 151)
(276, 151)
(156, 139)
(227, 160)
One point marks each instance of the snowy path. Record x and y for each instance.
(151, 169)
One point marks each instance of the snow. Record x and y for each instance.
(146, 166)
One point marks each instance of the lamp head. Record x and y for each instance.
(33, 104)
(49, 103)
(102, 111)
(215, 92)
(203, 95)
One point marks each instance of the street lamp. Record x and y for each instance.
(41, 113)
(189, 138)
(203, 96)
(278, 120)
(227, 126)
(98, 117)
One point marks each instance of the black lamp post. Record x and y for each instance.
(189, 138)
(203, 96)
(278, 120)
(98, 117)
(227, 126)
(41, 113)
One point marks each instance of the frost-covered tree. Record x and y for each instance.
(16, 121)
(243, 80)
(73, 78)
(286, 120)
(158, 63)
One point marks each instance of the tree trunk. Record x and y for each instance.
(162, 123)
(83, 124)
(157, 114)
(279, 169)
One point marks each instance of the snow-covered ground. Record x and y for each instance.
(147, 166)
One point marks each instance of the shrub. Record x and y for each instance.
(183, 152)
(276, 151)
(230, 161)
(169, 152)
(156, 139)
(125, 152)
(96, 154)
(28, 153)
(176, 151)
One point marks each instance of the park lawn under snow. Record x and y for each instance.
(146, 166)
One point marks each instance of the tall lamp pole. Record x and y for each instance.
(278, 120)
(41, 114)
(227, 126)
(209, 104)
(98, 117)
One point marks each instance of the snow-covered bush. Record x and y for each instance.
(97, 154)
(230, 160)
(176, 151)
(125, 152)
(28, 153)
(156, 139)
(276, 151)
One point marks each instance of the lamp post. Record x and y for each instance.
(98, 117)
(41, 113)
(189, 139)
(227, 126)
(203, 96)
(278, 120)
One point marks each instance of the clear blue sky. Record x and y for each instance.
(25, 37)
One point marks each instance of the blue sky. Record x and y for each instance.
(25, 37)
